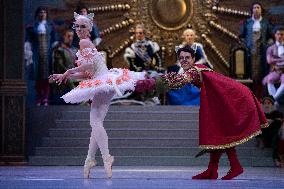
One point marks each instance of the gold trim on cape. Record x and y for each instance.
(200, 70)
(203, 69)
(224, 146)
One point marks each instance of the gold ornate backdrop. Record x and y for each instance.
(216, 23)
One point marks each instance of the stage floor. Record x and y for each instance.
(70, 177)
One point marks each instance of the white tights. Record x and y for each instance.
(99, 138)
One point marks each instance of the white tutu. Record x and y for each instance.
(118, 80)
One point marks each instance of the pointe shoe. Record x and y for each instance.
(87, 167)
(208, 174)
(233, 173)
(108, 165)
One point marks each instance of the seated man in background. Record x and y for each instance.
(189, 37)
(275, 58)
(143, 53)
(270, 135)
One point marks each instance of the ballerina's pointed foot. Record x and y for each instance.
(108, 165)
(87, 167)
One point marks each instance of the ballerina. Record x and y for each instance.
(99, 85)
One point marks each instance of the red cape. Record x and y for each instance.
(229, 112)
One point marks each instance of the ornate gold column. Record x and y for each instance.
(12, 83)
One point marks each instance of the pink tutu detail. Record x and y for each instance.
(115, 79)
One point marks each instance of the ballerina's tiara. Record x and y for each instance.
(89, 16)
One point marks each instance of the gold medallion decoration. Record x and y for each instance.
(216, 23)
(170, 15)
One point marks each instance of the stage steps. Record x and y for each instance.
(138, 135)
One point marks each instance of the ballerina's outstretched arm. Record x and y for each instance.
(73, 73)
(59, 78)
